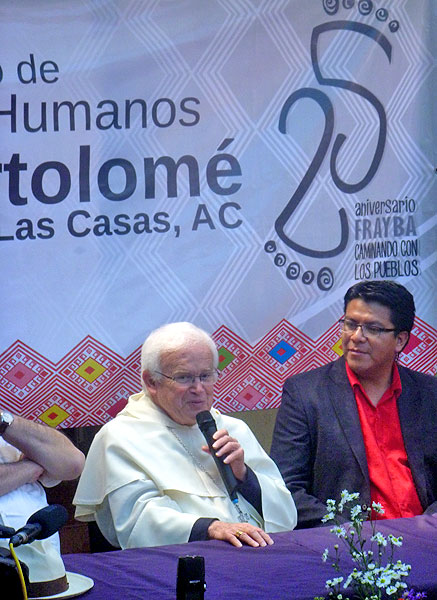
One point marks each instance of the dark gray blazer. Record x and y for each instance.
(318, 444)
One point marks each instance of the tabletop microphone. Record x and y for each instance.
(208, 427)
(42, 524)
(190, 582)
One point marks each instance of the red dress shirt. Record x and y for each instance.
(391, 481)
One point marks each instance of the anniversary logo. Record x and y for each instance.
(383, 232)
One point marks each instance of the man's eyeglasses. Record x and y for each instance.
(187, 379)
(372, 331)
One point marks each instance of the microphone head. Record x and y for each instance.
(205, 419)
(50, 518)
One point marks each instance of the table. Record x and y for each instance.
(291, 569)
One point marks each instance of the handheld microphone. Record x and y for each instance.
(208, 427)
(42, 524)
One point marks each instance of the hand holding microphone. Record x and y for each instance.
(229, 450)
(221, 448)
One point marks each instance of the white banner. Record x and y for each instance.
(235, 164)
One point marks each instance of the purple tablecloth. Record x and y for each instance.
(291, 569)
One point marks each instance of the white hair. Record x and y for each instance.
(170, 337)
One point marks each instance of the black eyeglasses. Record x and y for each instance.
(350, 326)
(186, 379)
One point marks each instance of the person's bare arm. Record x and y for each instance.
(14, 475)
(47, 447)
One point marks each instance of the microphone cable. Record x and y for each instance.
(20, 571)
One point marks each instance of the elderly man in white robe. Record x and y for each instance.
(149, 477)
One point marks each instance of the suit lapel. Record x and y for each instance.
(343, 401)
(409, 409)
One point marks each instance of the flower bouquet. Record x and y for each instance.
(376, 575)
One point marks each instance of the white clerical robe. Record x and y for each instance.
(146, 480)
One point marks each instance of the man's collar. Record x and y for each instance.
(395, 384)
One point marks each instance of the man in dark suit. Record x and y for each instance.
(362, 423)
